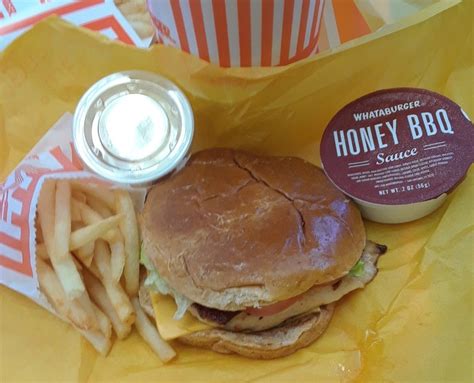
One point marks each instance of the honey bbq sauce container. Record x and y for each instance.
(398, 152)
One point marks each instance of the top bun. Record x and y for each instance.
(233, 230)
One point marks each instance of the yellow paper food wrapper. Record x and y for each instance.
(412, 323)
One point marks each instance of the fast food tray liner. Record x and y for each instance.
(414, 322)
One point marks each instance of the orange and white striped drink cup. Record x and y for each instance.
(240, 33)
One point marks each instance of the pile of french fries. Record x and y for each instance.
(88, 262)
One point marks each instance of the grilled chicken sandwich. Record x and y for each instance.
(259, 247)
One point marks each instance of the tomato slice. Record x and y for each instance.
(273, 308)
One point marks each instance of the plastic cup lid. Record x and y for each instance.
(133, 127)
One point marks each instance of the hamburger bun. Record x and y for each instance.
(232, 229)
(279, 341)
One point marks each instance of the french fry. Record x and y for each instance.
(98, 340)
(117, 296)
(104, 323)
(128, 227)
(51, 286)
(69, 276)
(143, 17)
(117, 257)
(75, 211)
(77, 264)
(46, 213)
(132, 8)
(39, 232)
(56, 231)
(99, 207)
(99, 296)
(76, 225)
(142, 27)
(106, 196)
(85, 253)
(149, 333)
(145, 300)
(78, 195)
(89, 216)
(62, 221)
(92, 232)
(41, 251)
(87, 307)
(94, 270)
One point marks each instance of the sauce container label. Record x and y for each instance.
(398, 146)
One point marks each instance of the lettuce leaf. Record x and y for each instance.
(156, 283)
(358, 269)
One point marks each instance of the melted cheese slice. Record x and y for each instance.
(170, 328)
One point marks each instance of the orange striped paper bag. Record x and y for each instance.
(240, 32)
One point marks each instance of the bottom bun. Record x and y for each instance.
(276, 342)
